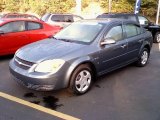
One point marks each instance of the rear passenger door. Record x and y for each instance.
(14, 36)
(134, 38)
(35, 31)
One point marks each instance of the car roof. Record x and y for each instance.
(113, 15)
(63, 14)
(20, 14)
(60, 13)
(117, 14)
(5, 20)
(108, 20)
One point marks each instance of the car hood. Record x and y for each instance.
(47, 49)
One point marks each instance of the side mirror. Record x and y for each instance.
(108, 42)
(1, 32)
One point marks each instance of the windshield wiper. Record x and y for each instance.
(53, 37)
(65, 40)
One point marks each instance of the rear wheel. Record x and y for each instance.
(157, 37)
(143, 59)
(81, 80)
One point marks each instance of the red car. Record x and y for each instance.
(15, 33)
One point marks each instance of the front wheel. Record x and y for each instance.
(81, 80)
(143, 59)
(157, 37)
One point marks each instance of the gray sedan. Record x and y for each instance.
(75, 56)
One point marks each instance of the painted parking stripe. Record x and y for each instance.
(38, 107)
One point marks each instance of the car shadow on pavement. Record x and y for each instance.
(156, 47)
(6, 57)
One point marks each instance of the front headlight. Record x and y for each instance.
(50, 66)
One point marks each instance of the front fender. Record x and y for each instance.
(73, 65)
(145, 43)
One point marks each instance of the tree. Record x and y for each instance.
(148, 7)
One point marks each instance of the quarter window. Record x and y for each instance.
(115, 33)
(68, 18)
(17, 26)
(34, 26)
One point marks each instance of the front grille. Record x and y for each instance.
(23, 63)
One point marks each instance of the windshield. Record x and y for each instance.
(80, 32)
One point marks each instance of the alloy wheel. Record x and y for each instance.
(83, 80)
(144, 57)
(158, 38)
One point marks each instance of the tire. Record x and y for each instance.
(78, 85)
(143, 58)
(157, 37)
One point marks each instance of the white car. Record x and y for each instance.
(62, 20)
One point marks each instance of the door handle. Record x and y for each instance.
(123, 46)
(140, 41)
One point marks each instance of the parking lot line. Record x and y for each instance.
(38, 107)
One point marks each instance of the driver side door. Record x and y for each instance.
(14, 36)
(113, 55)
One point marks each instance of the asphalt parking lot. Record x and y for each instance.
(130, 93)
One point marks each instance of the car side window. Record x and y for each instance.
(34, 26)
(57, 18)
(143, 20)
(132, 30)
(68, 18)
(115, 33)
(17, 26)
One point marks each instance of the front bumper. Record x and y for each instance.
(38, 81)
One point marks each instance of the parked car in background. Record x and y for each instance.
(18, 15)
(60, 19)
(1, 16)
(79, 53)
(15, 33)
(143, 21)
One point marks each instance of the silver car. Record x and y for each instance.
(61, 20)
(79, 53)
